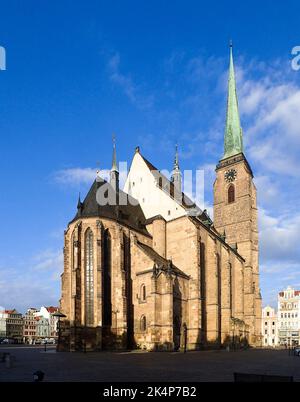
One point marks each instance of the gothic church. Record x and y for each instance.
(156, 274)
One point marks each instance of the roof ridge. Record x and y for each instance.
(149, 250)
(185, 205)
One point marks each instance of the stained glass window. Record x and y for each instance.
(89, 278)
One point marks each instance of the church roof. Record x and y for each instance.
(186, 202)
(160, 261)
(130, 214)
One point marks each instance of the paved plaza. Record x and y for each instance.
(145, 366)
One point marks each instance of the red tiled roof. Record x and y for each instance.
(52, 309)
(297, 293)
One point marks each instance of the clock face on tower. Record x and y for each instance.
(230, 175)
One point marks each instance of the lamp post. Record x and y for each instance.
(185, 329)
(59, 315)
(48, 334)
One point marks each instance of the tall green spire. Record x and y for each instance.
(233, 143)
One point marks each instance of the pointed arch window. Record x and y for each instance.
(143, 293)
(106, 280)
(89, 277)
(143, 323)
(231, 194)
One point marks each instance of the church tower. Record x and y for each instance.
(235, 207)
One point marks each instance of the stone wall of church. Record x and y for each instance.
(216, 285)
(149, 306)
(159, 298)
(73, 300)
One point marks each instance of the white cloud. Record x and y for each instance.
(267, 190)
(35, 281)
(86, 176)
(75, 176)
(49, 260)
(125, 82)
(270, 105)
(279, 238)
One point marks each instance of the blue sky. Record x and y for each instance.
(155, 74)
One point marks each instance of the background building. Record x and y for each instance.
(47, 314)
(11, 325)
(30, 323)
(289, 317)
(269, 327)
(42, 327)
(3, 317)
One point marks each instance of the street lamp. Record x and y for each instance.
(59, 315)
(48, 334)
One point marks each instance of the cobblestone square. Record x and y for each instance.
(139, 366)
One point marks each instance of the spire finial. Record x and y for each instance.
(176, 174)
(233, 131)
(97, 168)
(114, 160)
(176, 163)
(79, 203)
(114, 172)
(230, 43)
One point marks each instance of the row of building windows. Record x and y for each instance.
(266, 323)
(289, 324)
(289, 306)
(289, 315)
(266, 341)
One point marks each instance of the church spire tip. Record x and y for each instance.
(114, 160)
(176, 162)
(79, 203)
(114, 172)
(233, 143)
